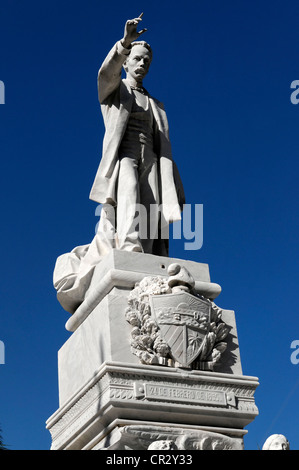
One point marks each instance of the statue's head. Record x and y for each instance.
(139, 60)
(276, 442)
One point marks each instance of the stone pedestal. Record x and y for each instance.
(108, 399)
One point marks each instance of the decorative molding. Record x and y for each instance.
(120, 391)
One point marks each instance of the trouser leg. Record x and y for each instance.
(149, 198)
(127, 201)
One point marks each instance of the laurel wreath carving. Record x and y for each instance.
(146, 341)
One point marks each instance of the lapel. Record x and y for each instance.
(159, 115)
(162, 126)
(126, 97)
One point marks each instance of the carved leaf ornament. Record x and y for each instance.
(172, 325)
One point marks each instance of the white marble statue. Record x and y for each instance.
(137, 181)
(136, 166)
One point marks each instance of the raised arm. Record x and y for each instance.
(109, 75)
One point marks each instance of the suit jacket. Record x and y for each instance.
(116, 99)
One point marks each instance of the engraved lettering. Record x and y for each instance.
(174, 393)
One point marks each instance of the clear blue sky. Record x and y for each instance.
(223, 70)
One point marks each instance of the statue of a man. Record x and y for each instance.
(136, 175)
(137, 182)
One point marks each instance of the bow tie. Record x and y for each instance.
(140, 89)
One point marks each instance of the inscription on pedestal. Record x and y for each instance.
(152, 391)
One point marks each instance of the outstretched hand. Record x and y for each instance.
(131, 32)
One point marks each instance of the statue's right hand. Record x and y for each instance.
(131, 33)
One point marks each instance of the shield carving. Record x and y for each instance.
(184, 320)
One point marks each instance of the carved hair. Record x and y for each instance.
(143, 44)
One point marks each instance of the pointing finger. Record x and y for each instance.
(135, 21)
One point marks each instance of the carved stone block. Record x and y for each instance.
(138, 394)
(149, 347)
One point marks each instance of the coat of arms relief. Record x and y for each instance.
(174, 326)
